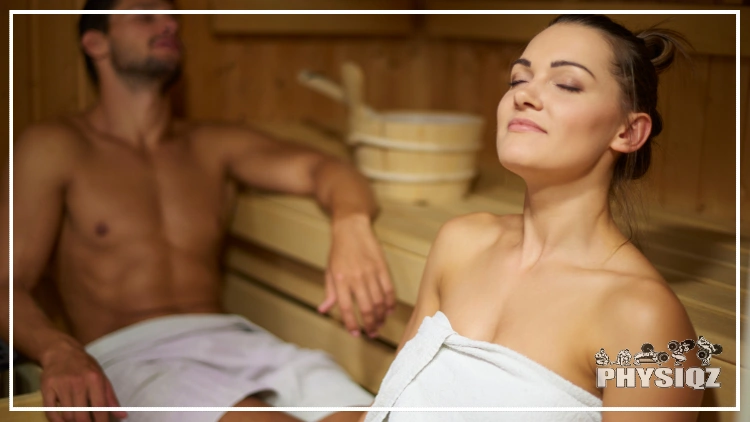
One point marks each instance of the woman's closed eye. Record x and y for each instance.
(515, 82)
(569, 88)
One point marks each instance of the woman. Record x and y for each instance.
(515, 310)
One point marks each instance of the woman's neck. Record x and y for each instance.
(570, 222)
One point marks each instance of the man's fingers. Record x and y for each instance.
(386, 286)
(97, 399)
(49, 399)
(330, 299)
(109, 395)
(378, 300)
(366, 309)
(80, 399)
(65, 399)
(347, 309)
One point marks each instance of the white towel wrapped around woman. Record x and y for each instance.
(440, 368)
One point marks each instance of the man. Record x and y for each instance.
(132, 205)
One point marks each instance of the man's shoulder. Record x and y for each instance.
(63, 128)
(49, 143)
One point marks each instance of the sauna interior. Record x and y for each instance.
(247, 69)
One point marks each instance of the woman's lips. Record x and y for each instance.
(524, 125)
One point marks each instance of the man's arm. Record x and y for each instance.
(70, 377)
(356, 270)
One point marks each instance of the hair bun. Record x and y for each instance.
(662, 46)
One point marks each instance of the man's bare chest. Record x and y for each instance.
(175, 196)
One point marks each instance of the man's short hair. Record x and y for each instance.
(95, 22)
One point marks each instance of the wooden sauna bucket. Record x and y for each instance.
(410, 156)
(417, 157)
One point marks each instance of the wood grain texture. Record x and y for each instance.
(709, 34)
(717, 187)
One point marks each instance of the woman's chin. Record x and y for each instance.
(516, 166)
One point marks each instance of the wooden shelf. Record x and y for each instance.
(363, 25)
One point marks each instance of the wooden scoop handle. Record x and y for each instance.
(323, 85)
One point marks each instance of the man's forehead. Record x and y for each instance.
(144, 5)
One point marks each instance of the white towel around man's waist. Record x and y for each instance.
(215, 361)
(440, 368)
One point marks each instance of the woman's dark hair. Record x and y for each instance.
(95, 22)
(638, 59)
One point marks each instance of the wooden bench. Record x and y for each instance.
(279, 247)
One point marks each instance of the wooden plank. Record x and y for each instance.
(26, 400)
(717, 188)
(281, 229)
(681, 143)
(56, 62)
(22, 107)
(709, 34)
(670, 258)
(745, 140)
(302, 24)
(365, 360)
(311, 5)
(204, 62)
(306, 135)
(303, 283)
(368, 25)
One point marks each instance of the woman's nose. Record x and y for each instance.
(527, 96)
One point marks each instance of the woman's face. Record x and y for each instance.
(563, 108)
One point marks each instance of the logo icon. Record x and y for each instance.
(648, 355)
(679, 349)
(707, 350)
(697, 378)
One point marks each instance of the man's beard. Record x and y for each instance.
(147, 71)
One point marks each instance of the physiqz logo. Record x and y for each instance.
(626, 373)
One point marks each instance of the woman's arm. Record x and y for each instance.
(647, 312)
(448, 249)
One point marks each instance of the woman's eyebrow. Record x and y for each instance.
(522, 62)
(557, 63)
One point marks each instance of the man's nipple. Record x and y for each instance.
(101, 229)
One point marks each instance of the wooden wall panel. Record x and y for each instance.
(684, 112)
(21, 67)
(717, 189)
(745, 143)
(56, 60)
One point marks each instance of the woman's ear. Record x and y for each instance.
(632, 136)
(95, 44)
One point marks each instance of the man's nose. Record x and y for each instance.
(170, 24)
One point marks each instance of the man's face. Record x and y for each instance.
(145, 47)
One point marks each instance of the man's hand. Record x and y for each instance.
(72, 378)
(357, 272)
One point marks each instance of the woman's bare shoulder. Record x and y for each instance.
(636, 305)
(479, 228)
